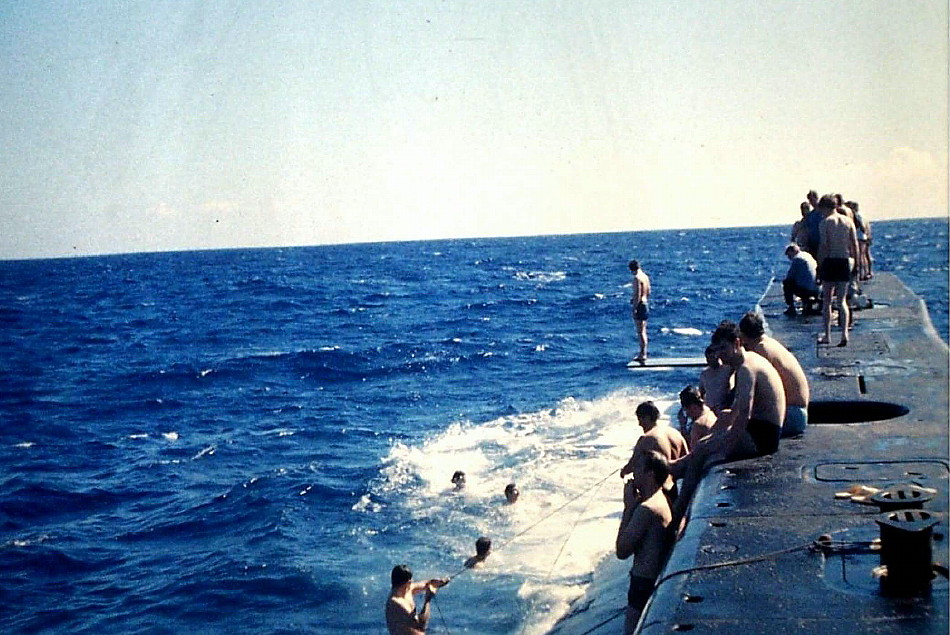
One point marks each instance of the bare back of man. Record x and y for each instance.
(837, 253)
(716, 385)
(703, 425)
(793, 377)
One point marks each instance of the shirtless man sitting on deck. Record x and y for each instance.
(794, 382)
(716, 383)
(703, 418)
(644, 531)
(754, 425)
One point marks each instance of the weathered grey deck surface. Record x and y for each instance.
(756, 509)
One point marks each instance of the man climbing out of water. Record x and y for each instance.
(837, 255)
(644, 531)
(753, 426)
(656, 437)
(401, 616)
(482, 549)
(794, 381)
(639, 303)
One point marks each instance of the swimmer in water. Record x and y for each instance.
(482, 549)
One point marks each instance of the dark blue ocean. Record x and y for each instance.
(249, 440)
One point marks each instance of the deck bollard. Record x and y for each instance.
(906, 551)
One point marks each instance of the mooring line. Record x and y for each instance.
(577, 519)
(546, 517)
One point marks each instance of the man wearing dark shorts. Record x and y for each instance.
(837, 255)
(753, 426)
(644, 531)
(640, 302)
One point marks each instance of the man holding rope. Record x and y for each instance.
(644, 531)
(401, 616)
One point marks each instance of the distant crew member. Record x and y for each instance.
(458, 479)
(640, 305)
(482, 549)
(401, 616)
(794, 381)
(813, 222)
(800, 228)
(644, 532)
(511, 493)
(801, 281)
(837, 253)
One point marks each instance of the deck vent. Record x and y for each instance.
(906, 551)
(903, 496)
(853, 411)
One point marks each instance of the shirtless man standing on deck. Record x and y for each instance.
(401, 616)
(644, 532)
(793, 377)
(751, 429)
(837, 253)
(639, 303)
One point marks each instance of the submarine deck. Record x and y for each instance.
(746, 562)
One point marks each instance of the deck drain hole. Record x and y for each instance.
(820, 412)
(716, 523)
(723, 504)
(692, 599)
(728, 487)
(683, 627)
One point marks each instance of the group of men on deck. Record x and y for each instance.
(829, 254)
(760, 393)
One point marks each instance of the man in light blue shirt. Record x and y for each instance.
(800, 281)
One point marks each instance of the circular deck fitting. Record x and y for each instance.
(825, 412)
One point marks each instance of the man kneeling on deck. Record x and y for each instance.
(753, 426)
(644, 531)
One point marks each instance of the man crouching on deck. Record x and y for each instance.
(401, 617)
(644, 531)
(751, 429)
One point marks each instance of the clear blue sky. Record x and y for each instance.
(144, 126)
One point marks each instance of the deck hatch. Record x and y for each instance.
(881, 471)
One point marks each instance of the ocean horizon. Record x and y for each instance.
(249, 439)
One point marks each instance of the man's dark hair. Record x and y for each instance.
(827, 202)
(690, 396)
(633, 265)
(751, 325)
(400, 575)
(658, 464)
(483, 546)
(648, 409)
(727, 331)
